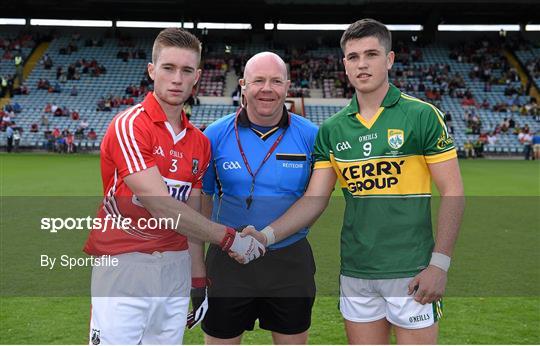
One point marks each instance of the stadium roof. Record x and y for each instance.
(426, 12)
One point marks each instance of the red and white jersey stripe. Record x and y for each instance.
(123, 126)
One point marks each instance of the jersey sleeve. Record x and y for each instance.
(130, 143)
(205, 162)
(312, 138)
(322, 149)
(209, 179)
(437, 145)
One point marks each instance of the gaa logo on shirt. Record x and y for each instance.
(343, 146)
(231, 165)
(396, 138)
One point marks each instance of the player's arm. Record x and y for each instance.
(196, 246)
(305, 211)
(309, 207)
(447, 178)
(149, 187)
(430, 284)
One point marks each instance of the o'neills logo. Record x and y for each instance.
(419, 318)
(365, 177)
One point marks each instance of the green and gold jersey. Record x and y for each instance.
(382, 166)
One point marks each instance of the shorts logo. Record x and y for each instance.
(159, 151)
(343, 146)
(396, 138)
(231, 165)
(195, 166)
(95, 337)
(419, 318)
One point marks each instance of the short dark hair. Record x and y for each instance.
(365, 28)
(175, 37)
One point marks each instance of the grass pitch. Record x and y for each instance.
(493, 294)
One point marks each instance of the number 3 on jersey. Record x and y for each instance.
(173, 167)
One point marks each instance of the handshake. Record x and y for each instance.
(246, 244)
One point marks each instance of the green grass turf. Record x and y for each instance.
(492, 297)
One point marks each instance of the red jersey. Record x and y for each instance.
(137, 139)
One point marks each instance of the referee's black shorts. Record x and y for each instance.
(278, 289)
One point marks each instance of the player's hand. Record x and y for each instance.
(199, 302)
(429, 285)
(250, 230)
(245, 248)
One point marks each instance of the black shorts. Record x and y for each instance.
(278, 289)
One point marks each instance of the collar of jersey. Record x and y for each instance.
(243, 119)
(156, 113)
(392, 97)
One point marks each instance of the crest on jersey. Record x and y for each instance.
(396, 138)
(95, 337)
(195, 166)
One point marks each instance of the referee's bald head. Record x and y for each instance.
(264, 58)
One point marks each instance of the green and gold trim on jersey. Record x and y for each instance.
(437, 111)
(437, 310)
(444, 156)
(369, 123)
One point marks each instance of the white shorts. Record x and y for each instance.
(143, 300)
(363, 300)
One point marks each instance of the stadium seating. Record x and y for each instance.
(13, 40)
(530, 57)
(123, 72)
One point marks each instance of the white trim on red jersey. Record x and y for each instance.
(175, 137)
(126, 139)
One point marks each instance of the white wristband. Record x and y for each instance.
(269, 234)
(440, 260)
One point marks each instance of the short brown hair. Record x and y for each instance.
(175, 37)
(367, 28)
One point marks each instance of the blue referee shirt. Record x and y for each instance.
(280, 182)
